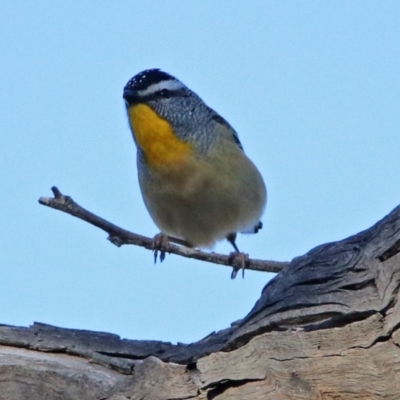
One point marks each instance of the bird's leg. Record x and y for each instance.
(237, 259)
(231, 238)
(161, 243)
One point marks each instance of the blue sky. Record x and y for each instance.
(311, 87)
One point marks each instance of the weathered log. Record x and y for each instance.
(326, 327)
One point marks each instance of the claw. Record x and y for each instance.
(160, 244)
(239, 261)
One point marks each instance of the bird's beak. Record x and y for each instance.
(130, 96)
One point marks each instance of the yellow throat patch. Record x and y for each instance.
(156, 137)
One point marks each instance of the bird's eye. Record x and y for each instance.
(165, 93)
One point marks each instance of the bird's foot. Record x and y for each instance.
(239, 261)
(160, 244)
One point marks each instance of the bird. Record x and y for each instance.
(196, 181)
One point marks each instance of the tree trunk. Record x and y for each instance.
(326, 327)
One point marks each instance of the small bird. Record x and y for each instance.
(196, 181)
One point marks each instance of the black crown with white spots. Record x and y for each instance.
(146, 78)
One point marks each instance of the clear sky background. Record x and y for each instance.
(312, 87)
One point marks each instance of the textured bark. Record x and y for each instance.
(326, 327)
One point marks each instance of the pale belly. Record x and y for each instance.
(203, 205)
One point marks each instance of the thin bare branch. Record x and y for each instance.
(119, 236)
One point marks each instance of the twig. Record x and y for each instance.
(119, 236)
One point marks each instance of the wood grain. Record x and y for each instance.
(326, 327)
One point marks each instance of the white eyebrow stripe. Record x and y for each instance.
(170, 84)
